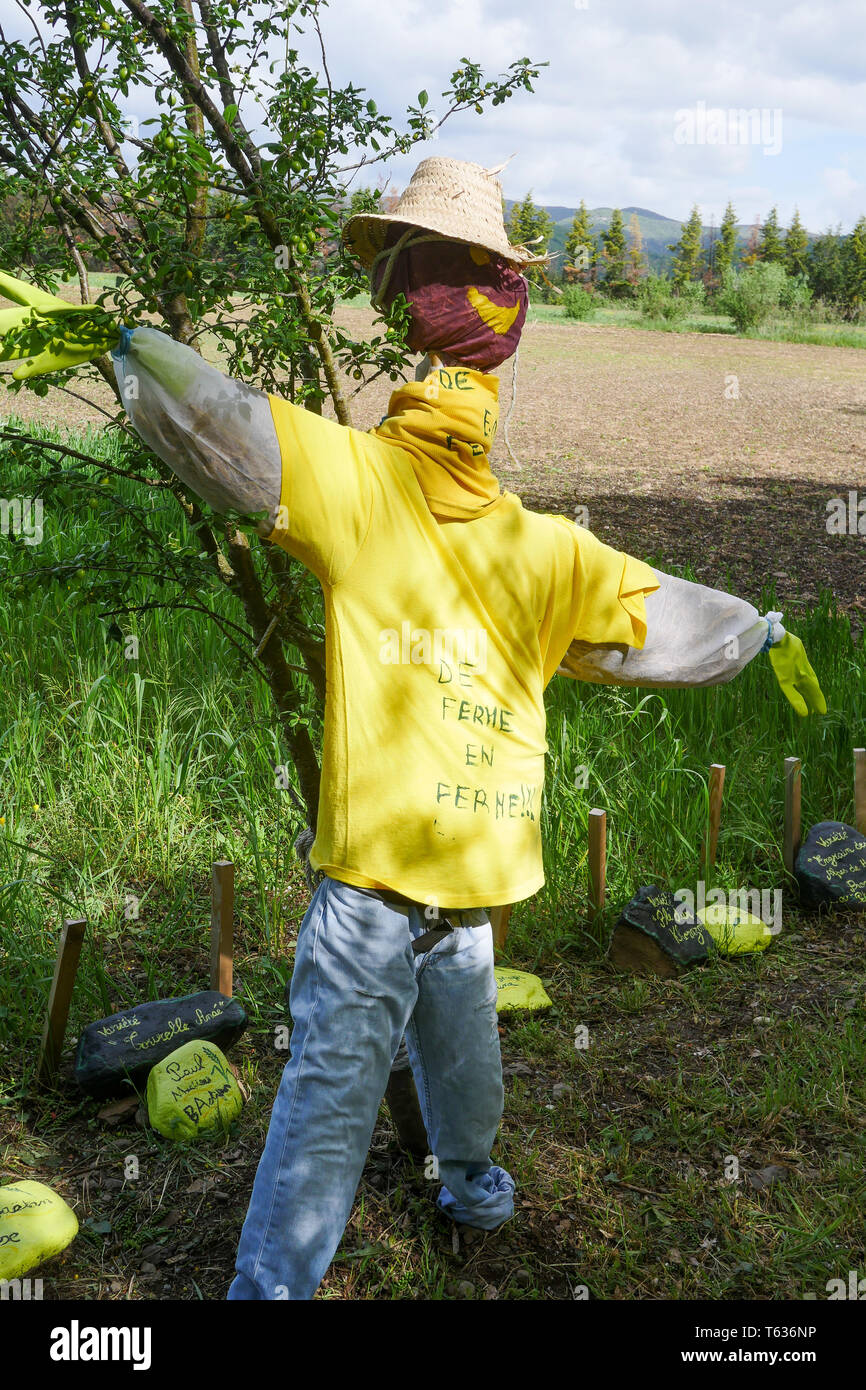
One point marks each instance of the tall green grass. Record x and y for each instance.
(648, 755)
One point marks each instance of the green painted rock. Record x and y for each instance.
(118, 1052)
(34, 1225)
(192, 1090)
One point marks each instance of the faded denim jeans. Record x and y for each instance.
(357, 987)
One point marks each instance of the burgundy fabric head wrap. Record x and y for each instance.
(466, 304)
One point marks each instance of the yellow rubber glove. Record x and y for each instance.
(48, 335)
(796, 677)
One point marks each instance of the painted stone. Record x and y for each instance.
(516, 989)
(35, 1223)
(735, 933)
(831, 866)
(192, 1090)
(652, 936)
(118, 1052)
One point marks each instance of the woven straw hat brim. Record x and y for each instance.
(459, 200)
(365, 233)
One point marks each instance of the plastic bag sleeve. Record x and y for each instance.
(215, 433)
(694, 636)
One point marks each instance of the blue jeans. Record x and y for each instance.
(357, 987)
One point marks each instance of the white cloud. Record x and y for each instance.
(601, 123)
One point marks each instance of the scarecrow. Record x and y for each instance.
(449, 607)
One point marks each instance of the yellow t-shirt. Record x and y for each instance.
(440, 637)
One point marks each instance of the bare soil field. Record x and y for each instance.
(689, 449)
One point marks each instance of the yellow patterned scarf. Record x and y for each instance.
(447, 424)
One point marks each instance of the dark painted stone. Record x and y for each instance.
(648, 935)
(831, 865)
(118, 1052)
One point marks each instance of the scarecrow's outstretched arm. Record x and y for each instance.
(694, 636)
(305, 478)
(698, 636)
(214, 432)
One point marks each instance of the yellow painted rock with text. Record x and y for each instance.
(733, 931)
(515, 989)
(192, 1090)
(35, 1223)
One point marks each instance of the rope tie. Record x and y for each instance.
(512, 455)
(303, 845)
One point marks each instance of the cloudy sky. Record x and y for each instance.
(633, 109)
(606, 122)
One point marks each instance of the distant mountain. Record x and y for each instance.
(657, 230)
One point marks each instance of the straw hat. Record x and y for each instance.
(460, 201)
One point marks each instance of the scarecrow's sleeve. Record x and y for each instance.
(215, 433)
(693, 636)
(240, 449)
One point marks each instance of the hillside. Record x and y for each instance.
(657, 230)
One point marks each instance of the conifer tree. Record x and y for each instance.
(771, 246)
(689, 250)
(855, 287)
(796, 247)
(530, 226)
(636, 265)
(614, 255)
(726, 246)
(581, 248)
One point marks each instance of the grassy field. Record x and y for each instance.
(777, 330)
(130, 777)
(780, 329)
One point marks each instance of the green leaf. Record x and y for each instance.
(230, 113)
(422, 99)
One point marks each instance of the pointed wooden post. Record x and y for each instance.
(793, 828)
(59, 999)
(597, 861)
(222, 926)
(860, 790)
(499, 917)
(717, 787)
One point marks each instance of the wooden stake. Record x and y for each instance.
(597, 861)
(499, 922)
(59, 999)
(860, 790)
(222, 926)
(717, 786)
(793, 829)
